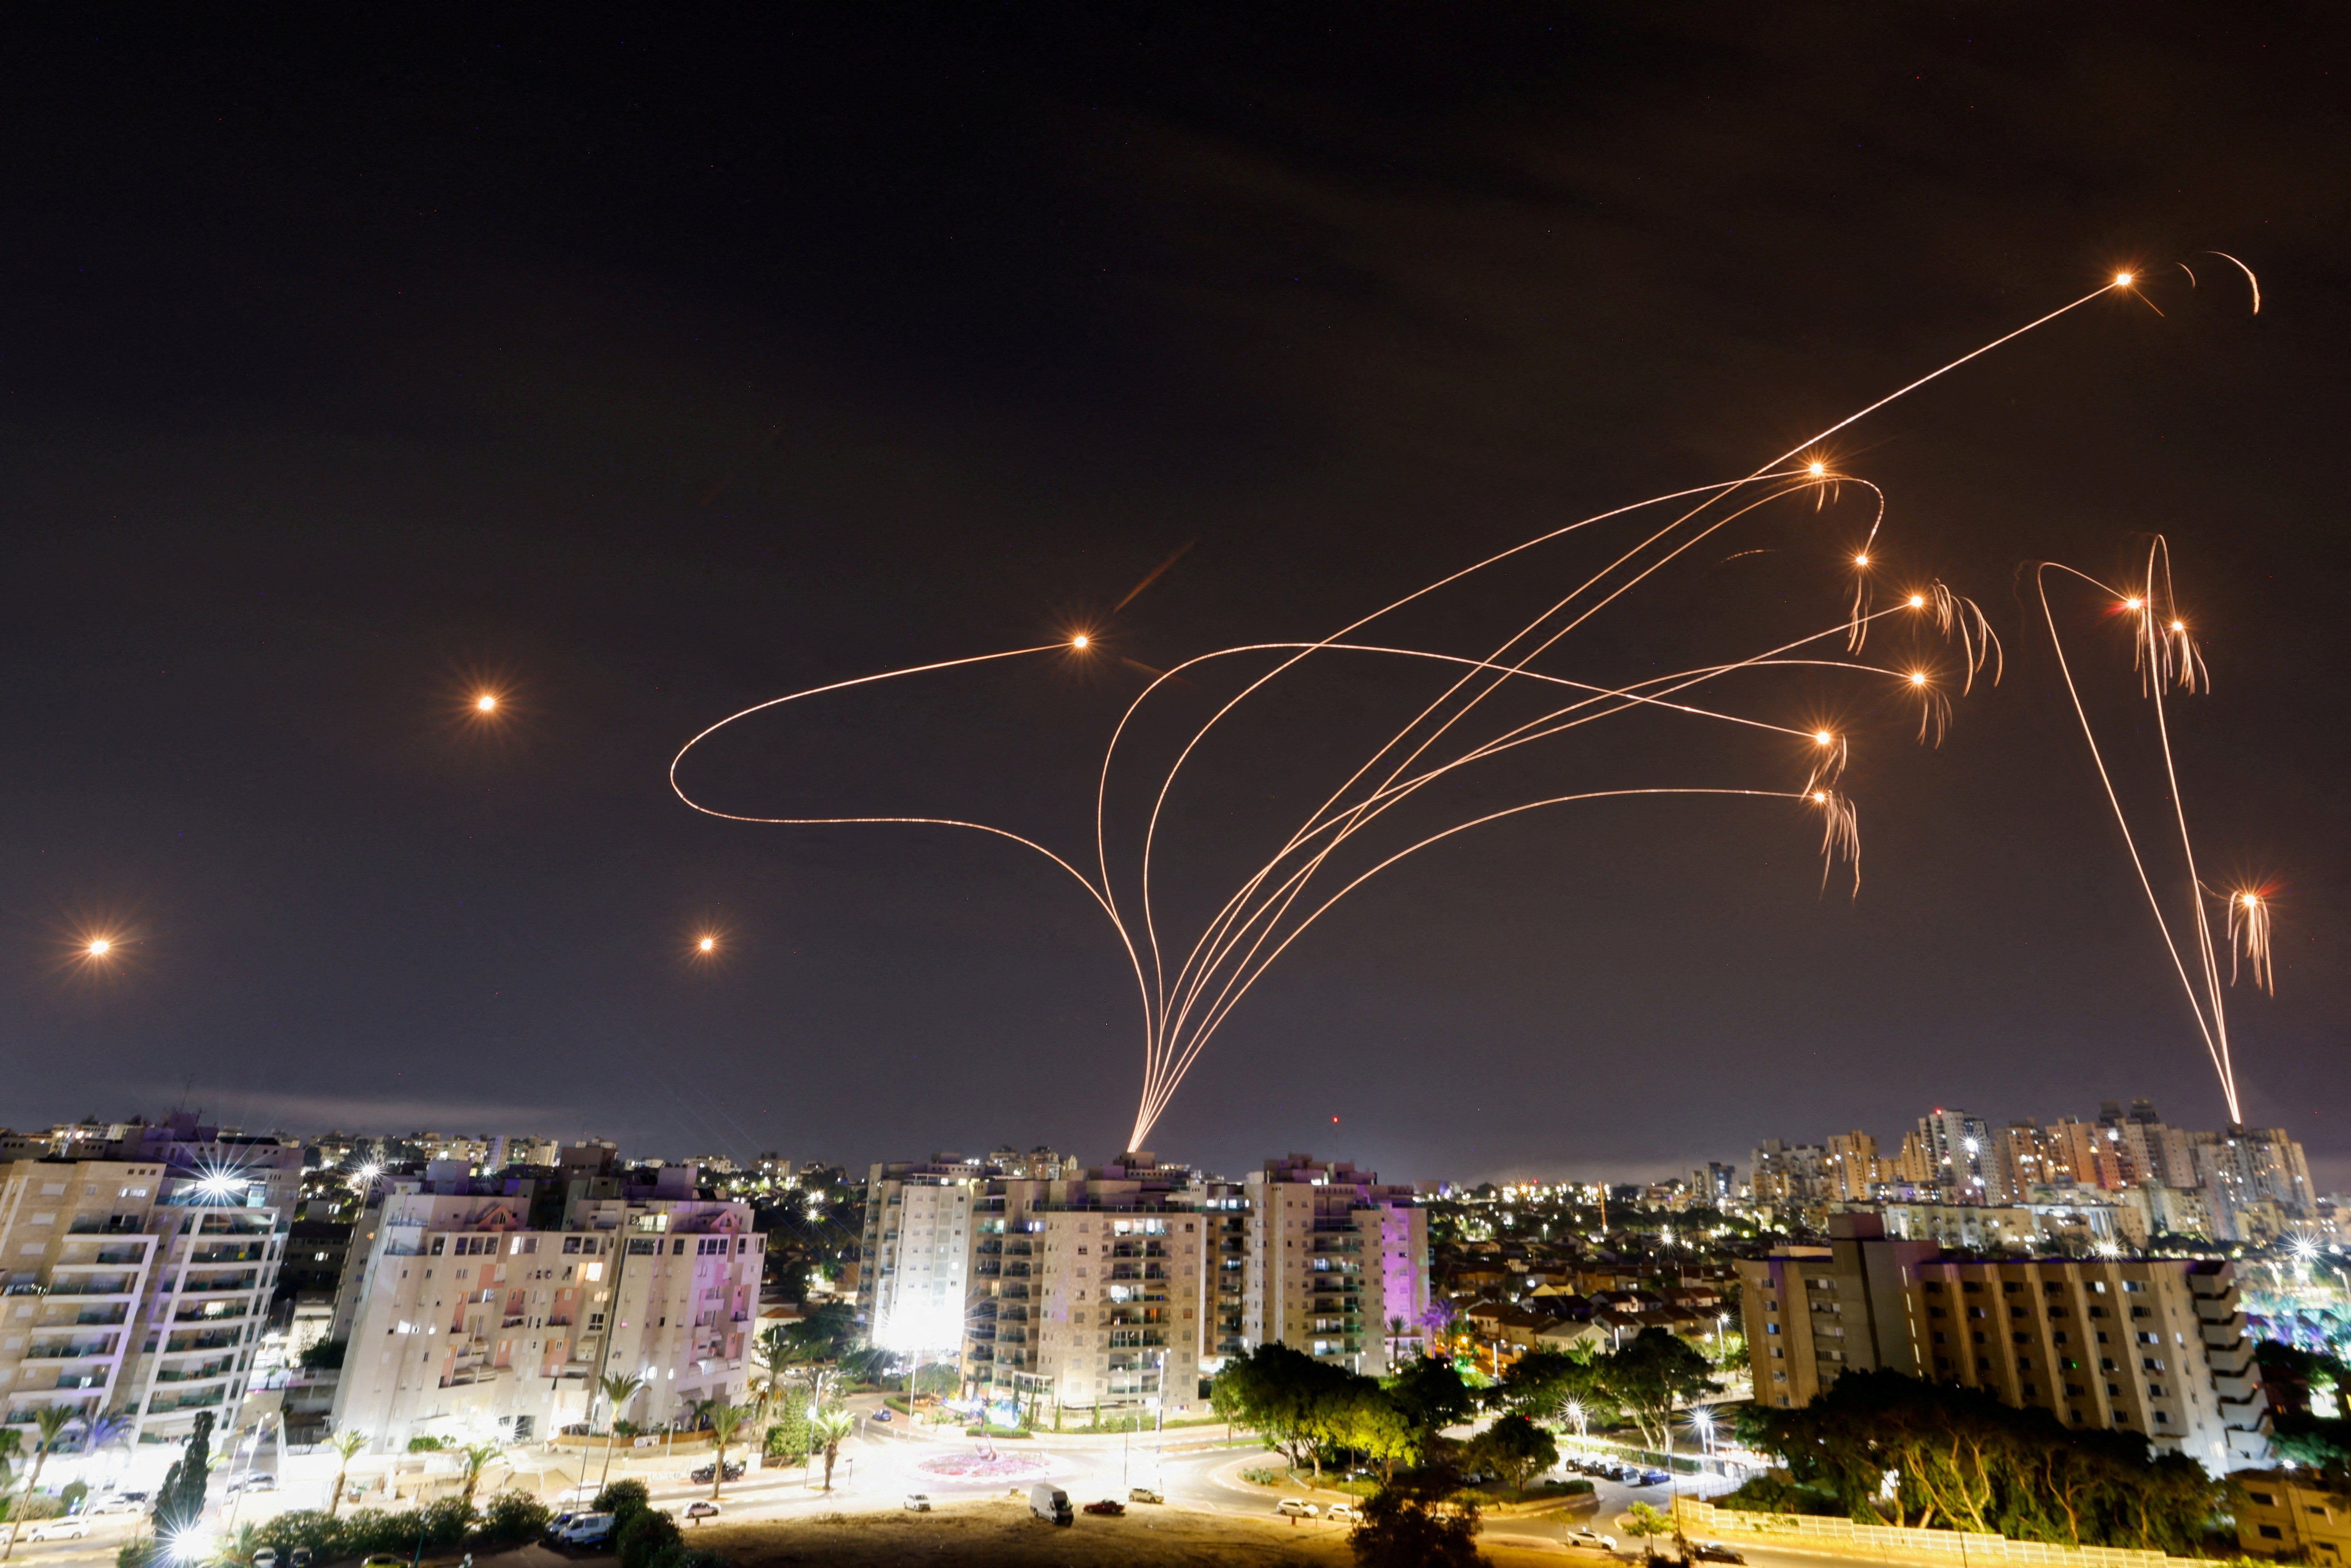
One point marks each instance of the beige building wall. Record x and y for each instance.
(470, 1325)
(2152, 1347)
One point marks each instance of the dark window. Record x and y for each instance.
(1937, 1312)
(2022, 1338)
(2272, 1532)
(1984, 1363)
(1971, 1288)
(2264, 1499)
(1977, 1337)
(2073, 1390)
(2011, 1288)
(1939, 1337)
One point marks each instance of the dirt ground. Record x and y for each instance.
(999, 1534)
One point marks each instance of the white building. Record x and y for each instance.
(477, 1317)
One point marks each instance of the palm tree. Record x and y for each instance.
(347, 1445)
(618, 1389)
(773, 1354)
(238, 1550)
(50, 1422)
(725, 1421)
(471, 1462)
(828, 1426)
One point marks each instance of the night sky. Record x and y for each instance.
(645, 365)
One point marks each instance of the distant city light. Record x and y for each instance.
(486, 703)
(707, 944)
(99, 948)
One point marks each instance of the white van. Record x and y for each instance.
(584, 1530)
(1047, 1501)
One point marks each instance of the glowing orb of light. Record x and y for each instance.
(1079, 641)
(1818, 468)
(1821, 797)
(2180, 626)
(99, 948)
(1822, 735)
(707, 944)
(1917, 601)
(486, 703)
(2132, 603)
(2123, 279)
(1861, 560)
(1917, 677)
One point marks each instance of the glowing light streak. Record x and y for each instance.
(1184, 1011)
(2163, 656)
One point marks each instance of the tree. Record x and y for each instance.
(239, 1548)
(50, 1424)
(772, 1355)
(828, 1426)
(1655, 1374)
(1540, 1384)
(348, 1443)
(180, 1501)
(472, 1461)
(618, 1389)
(1370, 1421)
(1431, 1395)
(1646, 1523)
(1412, 1522)
(1516, 1449)
(1291, 1400)
(725, 1421)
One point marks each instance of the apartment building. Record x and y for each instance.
(1336, 1264)
(1123, 1287)
(2293, 1515)
(491, 1306)
(1095, 1291)
(916, 1251)
(2146, 1345)
(139, 1284)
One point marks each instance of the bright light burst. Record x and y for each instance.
(1188, 988)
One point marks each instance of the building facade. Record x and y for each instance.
(490, 1307)
(139, 1284)
(2152, 1347)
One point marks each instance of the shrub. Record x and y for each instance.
(1262, 1476)
(323, 1356)
(512, 1518)
(425, 1445)
(643, 1537)
(135, 1552)
(623, 1498)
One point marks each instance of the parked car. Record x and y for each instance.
(1047, 1501)
(1343, 1513)
(301, 1558)
(385, 1560)
(265, 1558)
(578, 1497)
(1109, 1508)
(1714, 1552)
(252, 1480)
(1143, 1494)
(701, 1509)
(1297, 1508)
(884, 1415)
(1587, 1536)
(120, 1502)
(917, 1502)
(73, 1528)
(581, 1530)
(1657, 1478)
(702, 1477)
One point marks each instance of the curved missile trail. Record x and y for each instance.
(2165, 655)
(1189, 992)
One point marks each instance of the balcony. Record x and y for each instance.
(217, 1286)
(69, 1352)
(100, 1287)
(105, 1317)
(114, 1225)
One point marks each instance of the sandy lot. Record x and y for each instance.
(1000, 1531)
